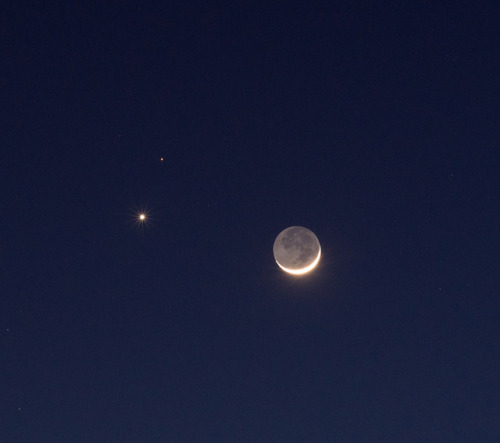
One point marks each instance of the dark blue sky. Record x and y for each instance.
(377, 126)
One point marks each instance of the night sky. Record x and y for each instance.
(374, 124)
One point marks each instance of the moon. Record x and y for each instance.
(297, 250)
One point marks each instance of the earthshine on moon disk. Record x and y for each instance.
(297, 250)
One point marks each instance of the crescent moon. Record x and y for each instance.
(297, 250)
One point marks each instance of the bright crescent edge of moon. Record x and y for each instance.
(303, 270)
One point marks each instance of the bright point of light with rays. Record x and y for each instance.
(142, 218)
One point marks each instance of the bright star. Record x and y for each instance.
(142, 218)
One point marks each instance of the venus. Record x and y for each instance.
(297, 250)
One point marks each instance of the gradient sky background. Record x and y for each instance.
(374, 124)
